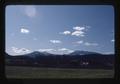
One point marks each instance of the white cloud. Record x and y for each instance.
(112, 40)
(78, 33)
(66, 32)
(63, 49)
(77, 28)
(79, 42)
(25, 31)
(90, 44)
(20, 50)
(46, 50)
(86, 43)
(55, 41)
(66, 50)
(30, 11)
(56, 51)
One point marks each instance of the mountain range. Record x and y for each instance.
(77, 52)
(76, 59)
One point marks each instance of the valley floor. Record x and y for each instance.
(20, 72)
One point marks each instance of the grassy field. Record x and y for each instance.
(36, 73)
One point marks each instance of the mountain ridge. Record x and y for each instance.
(91, 60)
(45, 53)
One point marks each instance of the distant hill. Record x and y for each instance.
(76, 59)
(37, 53)
(77, 52)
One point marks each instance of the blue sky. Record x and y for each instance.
(59, 29)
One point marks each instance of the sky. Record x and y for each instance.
(59, 29)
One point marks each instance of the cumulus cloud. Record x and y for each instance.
(90, 44)
(30, 11)
(78, 33)
(55, 41)
(77, 28)
(24, 30)
(20, 50)
(66, 32)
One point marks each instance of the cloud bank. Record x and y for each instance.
(56, 51)
(46, 50)
(20, 50)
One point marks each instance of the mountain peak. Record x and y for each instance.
(37, 53)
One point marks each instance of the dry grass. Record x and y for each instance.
(36, 73)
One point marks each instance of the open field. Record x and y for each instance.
(36, 73)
